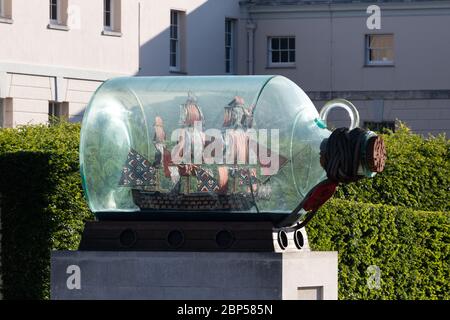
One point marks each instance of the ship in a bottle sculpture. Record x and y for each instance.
(234, 188)
(217, 148)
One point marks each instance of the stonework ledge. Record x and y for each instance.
(57, 27)
(6, 20)
(111, 33)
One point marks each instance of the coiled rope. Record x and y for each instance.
(342, 155)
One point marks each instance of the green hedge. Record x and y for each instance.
(43, 209)
(42, 206)
(417, 174)
(410, 248)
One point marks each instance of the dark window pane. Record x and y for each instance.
(291, 56)
(53, 12)
(275, 56)
(228, 40)
(173, 46)
(275, 43)
(227, 66)
(284, 43)
(174, 19)
(291, 43)
(107, 19)
(227, 53)
(175, 32)
(108, 5)
(228, 26)
(284, 56)
(173, 60)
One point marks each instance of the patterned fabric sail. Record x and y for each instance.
(205, 181)
(137, 171)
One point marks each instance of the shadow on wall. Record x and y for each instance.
(202, 42)
(78, 117)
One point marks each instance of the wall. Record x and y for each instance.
(330, 46)
(38, 64)
(205, 34)
(423, 115)
(28, 40)
(330, 58)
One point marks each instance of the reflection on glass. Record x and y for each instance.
(232, 144)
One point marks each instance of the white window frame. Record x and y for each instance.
(177, 39)
(231, 47)
(111, 15)
(368, 49)
(58, 13)
(270, 50)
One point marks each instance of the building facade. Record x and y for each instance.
(398, 69)
(392, 64)
(55, 53)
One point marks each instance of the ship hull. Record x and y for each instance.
(199, 201)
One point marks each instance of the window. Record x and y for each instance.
(54, 12)
(380, 49)
(107, 16)
(177, 41)
(57, 110)
(6, 11)
(229, 45)
(281, 51)
(111, 17)
(58, 14)
(379, 126)
(174, 40)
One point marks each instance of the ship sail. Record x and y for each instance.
(223, 179)
(205, 181)
(190, 115)
(158, 140)
(236, 185)
(137, 171)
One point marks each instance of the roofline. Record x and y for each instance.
(253, 7)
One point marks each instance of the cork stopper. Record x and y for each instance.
(376, 154)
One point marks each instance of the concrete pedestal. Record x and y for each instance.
(193, 275)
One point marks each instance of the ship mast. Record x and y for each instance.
(160, 146)
(237, 119)
(190, 114)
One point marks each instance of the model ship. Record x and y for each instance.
(234, 187)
